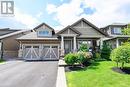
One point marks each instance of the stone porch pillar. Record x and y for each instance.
(75, 48)
(20, 51)
(62, 46)
(117, 42)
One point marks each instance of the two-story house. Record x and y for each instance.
(115, 36)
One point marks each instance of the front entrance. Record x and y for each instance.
(50, 52)
(31, 52)
(68, 46)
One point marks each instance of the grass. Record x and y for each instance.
(98, 74)
(1, 61)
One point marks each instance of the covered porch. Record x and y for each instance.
(71, 43)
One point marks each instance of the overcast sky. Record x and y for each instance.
(60, 13)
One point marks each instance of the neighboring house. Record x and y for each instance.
(5, 31)
(45, 44)
(116, 37)
(8, 45)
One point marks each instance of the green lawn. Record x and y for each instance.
(98, 74)
(1, 61)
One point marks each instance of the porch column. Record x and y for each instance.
(101, 43)
(20, 51)
(75, 48)
(62, 46)
(117, 42)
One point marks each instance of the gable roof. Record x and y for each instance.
(90, 24)
(45, 25)
(69, 27)
(42, 25)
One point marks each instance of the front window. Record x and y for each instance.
(88, 43)
(43, 33)
(117, 30)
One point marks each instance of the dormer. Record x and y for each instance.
(44, 30)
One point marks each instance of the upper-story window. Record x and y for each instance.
(43, 33)
(117, 30)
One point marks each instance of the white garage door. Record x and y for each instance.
(41, 52)
(50, 52)
(31, 52)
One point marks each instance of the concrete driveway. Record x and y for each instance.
(28, 74)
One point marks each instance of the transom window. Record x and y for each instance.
(43, 33)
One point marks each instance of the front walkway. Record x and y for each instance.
(28, 74)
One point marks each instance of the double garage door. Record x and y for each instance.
(40, 52)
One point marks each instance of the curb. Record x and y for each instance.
(61, 78)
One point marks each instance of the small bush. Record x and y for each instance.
(121, 55)
(105, 51)
(84, 48)
(126, 44)
(97, 56)
(71, 58)
(83, 57)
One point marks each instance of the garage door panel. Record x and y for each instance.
(34, 55)
(50, 52)
(56, 52)
(31, 52)
(45, 52)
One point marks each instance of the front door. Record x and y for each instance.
(67, 46)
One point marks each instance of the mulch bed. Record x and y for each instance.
(125, 70)
(70, 68)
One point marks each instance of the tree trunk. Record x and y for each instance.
(122, 66)
(117, 64)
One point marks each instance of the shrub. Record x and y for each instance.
(84, 48)
(97, 55)
(71, 58)
(105, 51)
(121, 55)
(83, 57)
(126, 44)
